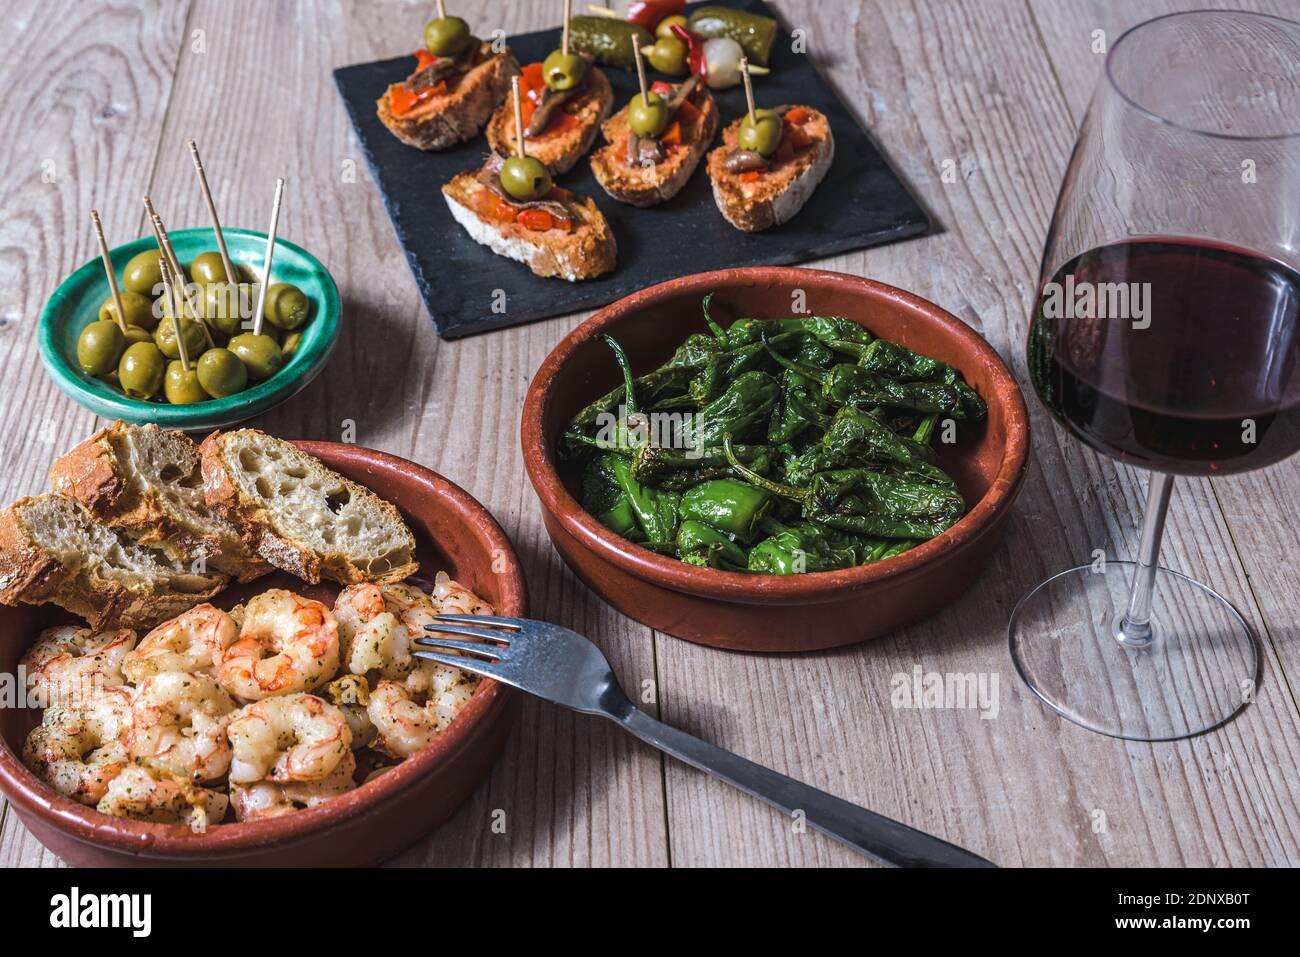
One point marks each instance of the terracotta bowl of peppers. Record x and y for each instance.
(763, 612)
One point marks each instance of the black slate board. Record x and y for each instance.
(860, 202)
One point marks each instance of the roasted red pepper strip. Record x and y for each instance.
(648, 13)
(694, 50)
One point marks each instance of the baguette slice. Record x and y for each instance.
(647, 186)
(559, 150)
(780, 191)
(302, 517)
(587, 251)
(460, 113)
(148, 482)
(53, 550)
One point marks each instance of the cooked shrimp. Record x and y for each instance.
(192, 642)
(69, 662)
(453, 598)
(351, 694)
(265, 799)
(404, 725)
(138, 794)
(287, 644)
(77, 748)
(178, 725)
(296, 737)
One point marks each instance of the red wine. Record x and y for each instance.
(1190, 364)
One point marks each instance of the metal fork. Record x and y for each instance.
(565, 668)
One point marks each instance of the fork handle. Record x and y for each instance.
(885, 840)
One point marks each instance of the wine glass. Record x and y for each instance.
(1166, 334)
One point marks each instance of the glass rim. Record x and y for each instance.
(1157, 117)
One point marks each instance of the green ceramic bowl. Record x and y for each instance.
(75, 304)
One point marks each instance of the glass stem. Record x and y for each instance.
(1134, 627)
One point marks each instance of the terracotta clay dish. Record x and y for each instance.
(455, 534)
(776, 613)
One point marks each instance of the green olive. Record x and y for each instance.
(761, 133)
(99, 347)
(563, 71)
(140, 373)
(221, 306)
(287, 306)
(136, 334)
(290, 345)
(668, 55)
(446, 36)
(142, 274)
(665, 27)
(261, 355)
(208, 267)
(647, 114)
(525, 178)
(138, 309)
(164, 337)
(221, 373)
(181, 385)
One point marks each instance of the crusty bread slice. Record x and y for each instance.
(148, 482)
(301, 516)
(780, 191)
(586, 251)
(459, 114)
(53, 550)
(560, 150)
(647, 186)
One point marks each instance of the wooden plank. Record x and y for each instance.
(968, 84)
(86, 88)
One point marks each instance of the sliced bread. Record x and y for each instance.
(53, 550)
(558, 150)
(302, 517)
(148, 482)
(458, 114)
(587, 250)
(754, 203)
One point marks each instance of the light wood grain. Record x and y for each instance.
(993, 87)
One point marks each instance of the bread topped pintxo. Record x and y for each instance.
(769, 163)
(656, 141)
(511, 206)
(457, 82)
(565, 98)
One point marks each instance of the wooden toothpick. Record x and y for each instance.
(640, 73)
(442, 9)
(270, 254)
(519, 115)
(108, 270)
(564, 37)
(749, 87)
(170, 293)
(212, 213)
(180, 291)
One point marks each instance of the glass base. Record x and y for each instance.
(1198, 668)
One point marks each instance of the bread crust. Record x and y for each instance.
(224, 495)
(459, 115)
(782, 191)
(33, 576)
(649, 186)
(558, 151)
(93, 474)
(588, 251)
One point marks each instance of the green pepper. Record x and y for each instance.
(679, 470)
(754, 32)
(621, 520)
(609, 39)
(856, 438)
(795, 551)
(730, 506)
(702, 544)
(825, 329)
(655, 509)
(742, 410)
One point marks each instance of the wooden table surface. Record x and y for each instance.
(975, 102)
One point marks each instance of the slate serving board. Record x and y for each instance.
(468, 289)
